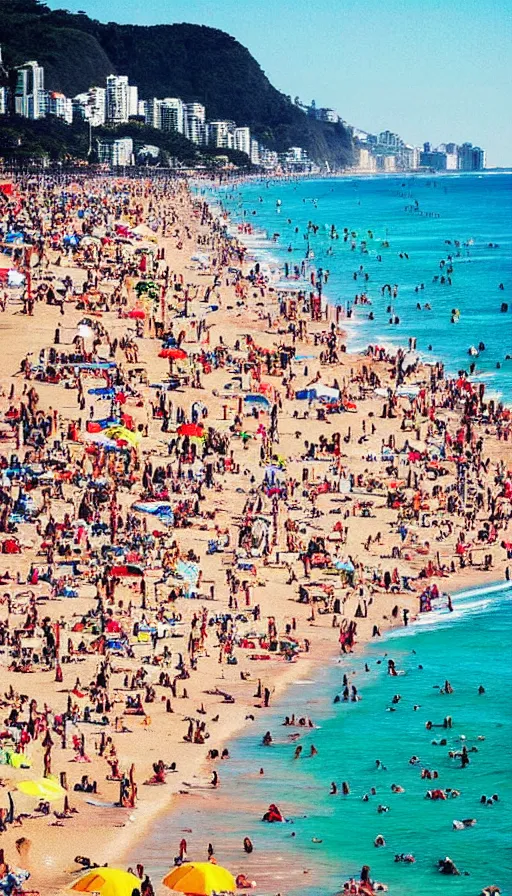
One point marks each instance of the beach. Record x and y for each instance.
(216, 566)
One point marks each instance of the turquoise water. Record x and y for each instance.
(474, 210)
(470, 647)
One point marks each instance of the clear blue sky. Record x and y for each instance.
(437, 70)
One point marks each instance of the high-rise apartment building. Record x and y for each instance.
(29, 93)
(194, 122)
(172, 115)
(117, 99)
(243, 140)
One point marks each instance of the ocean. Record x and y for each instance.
(424, 219)
(329, 838)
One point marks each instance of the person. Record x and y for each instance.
(379, 840)
(248, 845)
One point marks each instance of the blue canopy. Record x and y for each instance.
(102, 392)
(257, 399)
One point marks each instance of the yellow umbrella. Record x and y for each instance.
(42, 788)
(200, 879)
(108, 882)
(116, 431)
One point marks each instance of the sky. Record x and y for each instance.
(436, 70)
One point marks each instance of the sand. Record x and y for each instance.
(106, 834)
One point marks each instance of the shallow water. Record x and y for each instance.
(473, 209)
(469, 647)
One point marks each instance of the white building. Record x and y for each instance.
(60, 106)
(3, 100)
(116, 153)
(90, 106)
(97, 102)
(195, 122)
(28, 97)
(221, 134)
(268, 158)
(243, 140)
(255, 152)
(172, 115)
(133, 100)
(117, 99)
(142, 109)
(153, 117)
(327, 115)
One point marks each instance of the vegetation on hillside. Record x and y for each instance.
(51, 138)
(196, 63)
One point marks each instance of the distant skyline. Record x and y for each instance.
(437, 70)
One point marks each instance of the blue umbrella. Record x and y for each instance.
(257, 399)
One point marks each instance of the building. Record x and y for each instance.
(4, 101)
(255, 152)
(221, 134)
(90, 106)
(471, 158)
(152, 117)
(327, 115)
(142, 109)
(117, 99)
(365, 160)
(195, 122)
(268, 158)
(116, 153)
(386, 163)
(29, 97)
(434, 159)
(172, 115)
(409, 157)
(59, 105)
(97, 103)
(389, 139)
(133, 101)
(243, 140)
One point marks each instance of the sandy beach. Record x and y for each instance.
(133, 643)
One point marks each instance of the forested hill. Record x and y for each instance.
(196, 63)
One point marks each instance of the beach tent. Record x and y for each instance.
(200, 879)
(107, 882)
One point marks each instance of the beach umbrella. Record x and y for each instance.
(108, 882)
(121, 433)
(172, 354)
(42, 788)
(193, 430)
(257, 399)
(128, 569)
(137, 314)
(200, 879)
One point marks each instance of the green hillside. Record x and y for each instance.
(193, 62)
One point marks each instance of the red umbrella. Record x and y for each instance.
(191, 429)
(173, 354)
(137, 314)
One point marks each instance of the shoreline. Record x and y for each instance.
(231, 503)
(356, 341)
(235, 803)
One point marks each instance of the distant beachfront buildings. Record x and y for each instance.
(118, 102)
(387, 152)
